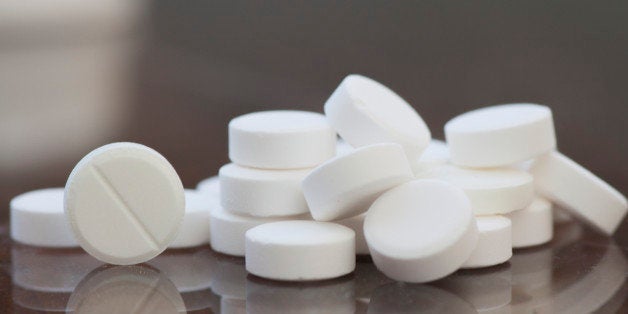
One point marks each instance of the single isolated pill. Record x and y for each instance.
(356, 223)
(125, 203)
(365, 112)
(500, 135)
(421, 231)
(576, 189)
(227, 229)
(347, 185)
(434, 156)
(532, 225)
(281, 139)
(262, 192)
(300, 250)
(491, 191)
(194, 230)
(38, 219)
(210, 186)
(494, 242)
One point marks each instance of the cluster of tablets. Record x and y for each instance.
(299, 204)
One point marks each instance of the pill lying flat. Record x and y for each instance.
(37, 218)
(210, 186)
(124, 202)
(435, 155)
(500, 135)
(282, 139)
(262, 192)
(227, 229)
(356, 223)
(491, 191)
(435, 231)
(194, 229)
(365, 112)
(575, 188)
(300, 250)
(494, 242)
(347, 185)
(532, 225)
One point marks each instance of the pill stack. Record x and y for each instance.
(299, 204)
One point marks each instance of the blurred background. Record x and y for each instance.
(75, 75)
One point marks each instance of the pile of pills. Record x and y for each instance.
(299, 203)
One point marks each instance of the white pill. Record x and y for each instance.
(300, 250)
(532, 225)
(494, 242)
(210, 186)
(421, 231)
(356, 223)
(227, 229)
(347, 185)
(500, 135)
(491, 191)
(37, 218)
(365, 112)
(262, 192)
(282, 139)
(343, 148)
(435, 155)
(125, 203)
(575, 188)
(194, 230)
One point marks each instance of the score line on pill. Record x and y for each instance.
(124, 202)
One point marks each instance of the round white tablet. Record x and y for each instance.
(356, 223)
(491, 191)
(262, 192)
(211, 186)
(194, 230)
(494, 242)
(421, 231)
(578, 190)
(282, 139)
(37, 218)
(347, 185)
(300, 250)
(227, 229)
(435, 155)
(500, 135)
(365, 112)
(532, 225)
(125, 203)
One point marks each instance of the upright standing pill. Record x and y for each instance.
(347, 185)
(494, 242)
(365, 112)
(300, 250)
(532, 225)
(282, 139)
(194, 229)
(578, 190)
(421, 231)
(37, 218)
(125, 203)
(500, 135)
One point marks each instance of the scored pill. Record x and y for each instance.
(124, 202)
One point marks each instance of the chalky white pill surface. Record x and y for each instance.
(532, 225)
(125, 203)
(282, 139)
(575, 188)
(343, 148)
(227, 229)
(194, 230)
(262, 192)
(356, 223)
(38, 218)
(210, 186)
(347, 185)
(491, 191)
(500, 135)
(421, 231)
(365, 112)
(300, 250)
(494, 242)
(435, 155)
